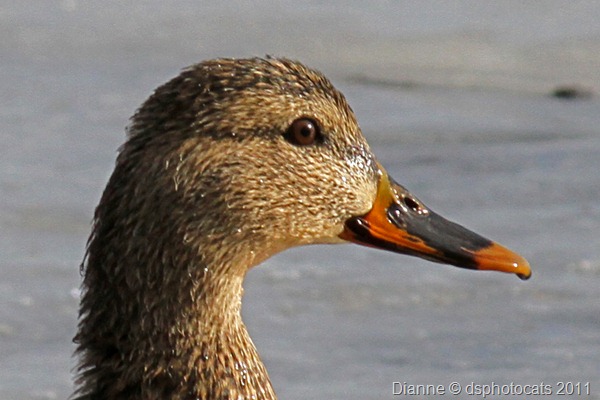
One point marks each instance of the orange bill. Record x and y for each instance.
(399, 222)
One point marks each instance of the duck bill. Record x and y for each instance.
(399, 222)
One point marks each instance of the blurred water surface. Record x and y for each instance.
(454, 99)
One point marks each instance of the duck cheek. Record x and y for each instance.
(358, 181)
(361, 199)
(305, 229)
(322, 218)
(308, 225)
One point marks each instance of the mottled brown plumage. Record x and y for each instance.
(207, 186)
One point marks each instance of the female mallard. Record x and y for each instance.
(225, 165)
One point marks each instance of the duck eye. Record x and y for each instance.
(303, 132)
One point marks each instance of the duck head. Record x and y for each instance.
(265, 154)
(225, 165)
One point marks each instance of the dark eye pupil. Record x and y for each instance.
(307, 130)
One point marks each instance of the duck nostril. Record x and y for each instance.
(414, 206)
(411, 204)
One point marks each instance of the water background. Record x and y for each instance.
(453, 97)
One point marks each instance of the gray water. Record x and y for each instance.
(453, 97)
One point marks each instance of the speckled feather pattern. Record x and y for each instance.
(205, 187)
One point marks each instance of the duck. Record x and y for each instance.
(225, 165)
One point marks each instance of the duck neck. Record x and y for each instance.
(168, 329)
